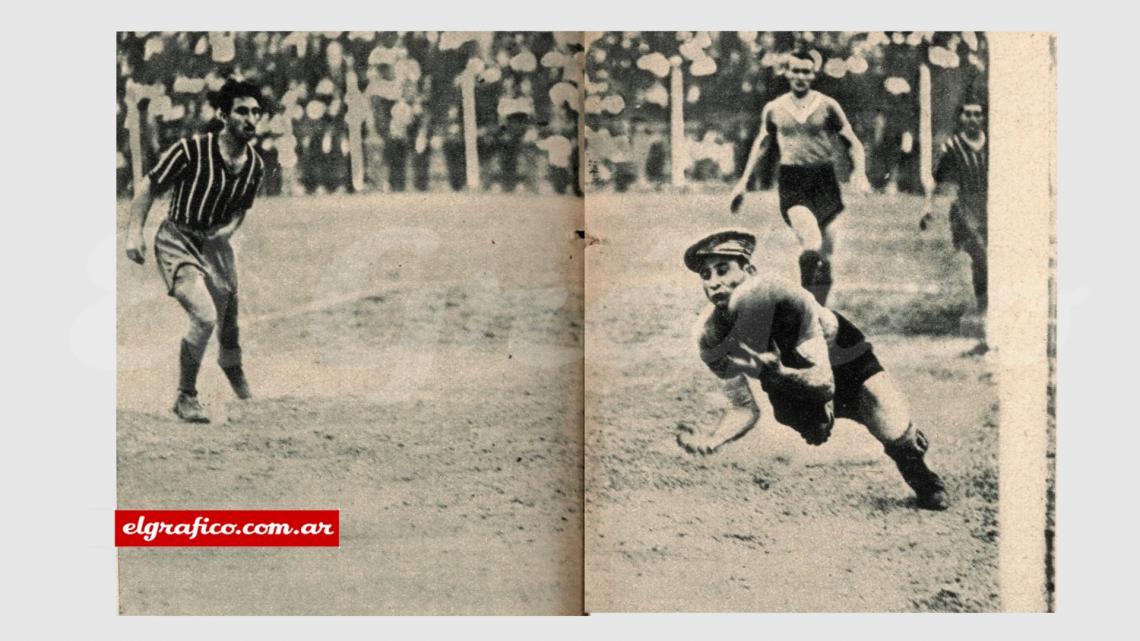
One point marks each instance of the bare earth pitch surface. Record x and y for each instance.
(415, 367)
(769, 523)
(415, 363)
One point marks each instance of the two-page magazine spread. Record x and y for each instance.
(569, 322)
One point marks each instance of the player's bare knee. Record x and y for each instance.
(200, 329)
(206, 320)
(806, 228)
(190, 288)
(203, 319)
(883, 409)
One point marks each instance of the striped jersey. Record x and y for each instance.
(965, 165)
(204, 194)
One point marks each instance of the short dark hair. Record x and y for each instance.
(223, 99)
(803, 53)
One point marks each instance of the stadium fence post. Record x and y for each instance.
(470, 146)
(133, 125)
(354, 119)
(925, 129)
(677, 122)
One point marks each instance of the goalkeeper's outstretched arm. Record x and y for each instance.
(740, 417)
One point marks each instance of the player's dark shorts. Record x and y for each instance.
(814, 187)
(968, 224)
(177, 246)
(853, 361)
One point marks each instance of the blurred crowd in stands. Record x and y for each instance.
(394, 100)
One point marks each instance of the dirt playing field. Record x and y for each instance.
(769, 523)
(416, 364)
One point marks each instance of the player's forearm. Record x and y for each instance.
(858, 157)
(736, 422)
(754, 155)
(737, 392)
(814, 383)
(932, 186)
(140, 208)
(741, 416)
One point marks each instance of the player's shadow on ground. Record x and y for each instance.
(887, 504)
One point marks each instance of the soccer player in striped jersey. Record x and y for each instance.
(963, 161)
(804, 124)
(212, 179)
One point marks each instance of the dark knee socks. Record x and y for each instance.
(235, 375)
(822, 285)
(908, 453)
(980, 277)
(189, 361)
(809, 265)
(815, 275)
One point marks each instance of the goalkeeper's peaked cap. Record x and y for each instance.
(733, 244)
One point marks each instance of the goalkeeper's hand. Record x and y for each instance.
(927, 218)
(736, 422)
(737, 199)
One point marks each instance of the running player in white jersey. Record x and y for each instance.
(803, 124)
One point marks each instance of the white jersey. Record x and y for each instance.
(805, 132)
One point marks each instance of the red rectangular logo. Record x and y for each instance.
(227, 528)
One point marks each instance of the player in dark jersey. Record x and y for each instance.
(813, 363)
(212, 179)
(963, 161)
(804, 124)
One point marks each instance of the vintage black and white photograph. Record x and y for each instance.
(791, 401)
(589, 322)
(349, 277)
